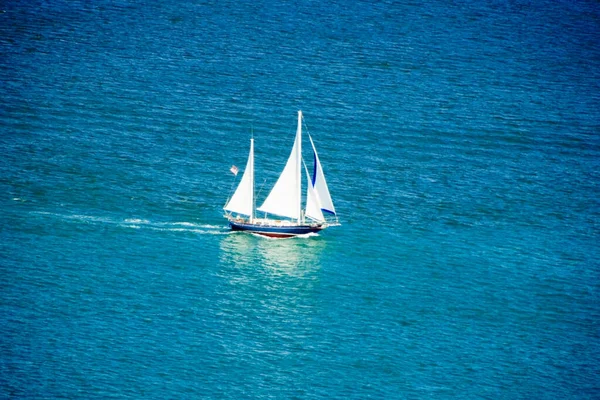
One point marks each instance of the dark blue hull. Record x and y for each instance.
(275, 230)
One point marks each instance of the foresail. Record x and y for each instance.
(242, 201)
(319, 183)
(285, 197)
(313, 204)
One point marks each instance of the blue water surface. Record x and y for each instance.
(460, 141)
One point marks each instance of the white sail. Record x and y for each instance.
(313, 204)
(242, 201)
(319, 183)
(285, 197)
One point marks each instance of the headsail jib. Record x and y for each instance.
(319, 183)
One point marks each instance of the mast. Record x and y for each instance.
(299, 166)
(252, 178)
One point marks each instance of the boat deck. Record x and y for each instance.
(274, 228)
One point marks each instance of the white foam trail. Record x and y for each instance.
(41, 213)
(89, 218)
(212, 232)
(76, 217)
(139, 223)
(308, 235)
(184, 223)
(192, 225)
(132, 226)
(221, 230)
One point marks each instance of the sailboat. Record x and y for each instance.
(283, 213)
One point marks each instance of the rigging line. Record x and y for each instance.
(261, 188)
(305, 125)
(231, 189)
(304, 163)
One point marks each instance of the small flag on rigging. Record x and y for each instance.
(234, 170)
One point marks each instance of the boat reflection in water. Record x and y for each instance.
(291, 257)
(266, 297)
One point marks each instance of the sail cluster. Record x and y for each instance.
(285, 199)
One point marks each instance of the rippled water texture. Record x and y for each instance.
(460, 143)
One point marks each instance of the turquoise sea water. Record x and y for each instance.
(461, 145)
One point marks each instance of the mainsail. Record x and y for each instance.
(285, 197)
(242, 201)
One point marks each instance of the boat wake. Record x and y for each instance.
(139, 223)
